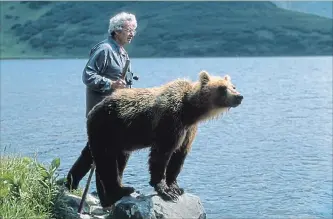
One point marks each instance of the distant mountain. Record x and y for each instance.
(321, 8)
(59, 29)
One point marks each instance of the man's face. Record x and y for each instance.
(126, 34)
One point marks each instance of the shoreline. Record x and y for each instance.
(172, 57)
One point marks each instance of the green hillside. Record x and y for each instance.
(321, 8)
(166, 29)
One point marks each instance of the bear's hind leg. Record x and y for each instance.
(122, 159)
(107, 171)
(177, 160)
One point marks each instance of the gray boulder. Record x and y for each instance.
(136, 206)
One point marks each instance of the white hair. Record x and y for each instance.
(117, 22)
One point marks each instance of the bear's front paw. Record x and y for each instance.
(174, 187)
(165, 192)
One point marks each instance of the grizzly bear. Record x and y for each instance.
(163, 118)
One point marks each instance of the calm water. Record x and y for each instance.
(269, 158)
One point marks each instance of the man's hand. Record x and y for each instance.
(120, 83)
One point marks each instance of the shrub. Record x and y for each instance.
(15, 26)
(37, 4)
(8, 16)
(27, 188)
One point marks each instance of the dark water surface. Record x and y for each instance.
(269, 158)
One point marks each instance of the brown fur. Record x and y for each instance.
(164, 118)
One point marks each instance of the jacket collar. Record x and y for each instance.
(116, 46)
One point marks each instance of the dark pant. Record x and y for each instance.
(79, 169)
(83, 164)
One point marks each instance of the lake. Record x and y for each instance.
(271, 157)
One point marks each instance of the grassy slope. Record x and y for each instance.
(27, 189)
(321, 8)
(11, 46)
(166, 29)
(30, 189)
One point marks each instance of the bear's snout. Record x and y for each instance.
(238, 99)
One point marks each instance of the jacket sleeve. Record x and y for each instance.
(93, 71)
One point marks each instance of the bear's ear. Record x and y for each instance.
(227, 78)
(204, 77)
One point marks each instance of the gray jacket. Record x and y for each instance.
(106, 62)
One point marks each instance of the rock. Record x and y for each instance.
(68, 205)
(153, 207)
(136, 206)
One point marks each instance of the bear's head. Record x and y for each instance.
(218, 92)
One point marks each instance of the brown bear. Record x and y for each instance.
(163, 118)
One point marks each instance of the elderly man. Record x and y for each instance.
(102, 75)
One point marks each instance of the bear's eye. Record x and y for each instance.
(222, 90)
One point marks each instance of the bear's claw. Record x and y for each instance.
(174, 187)
(166, 193)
